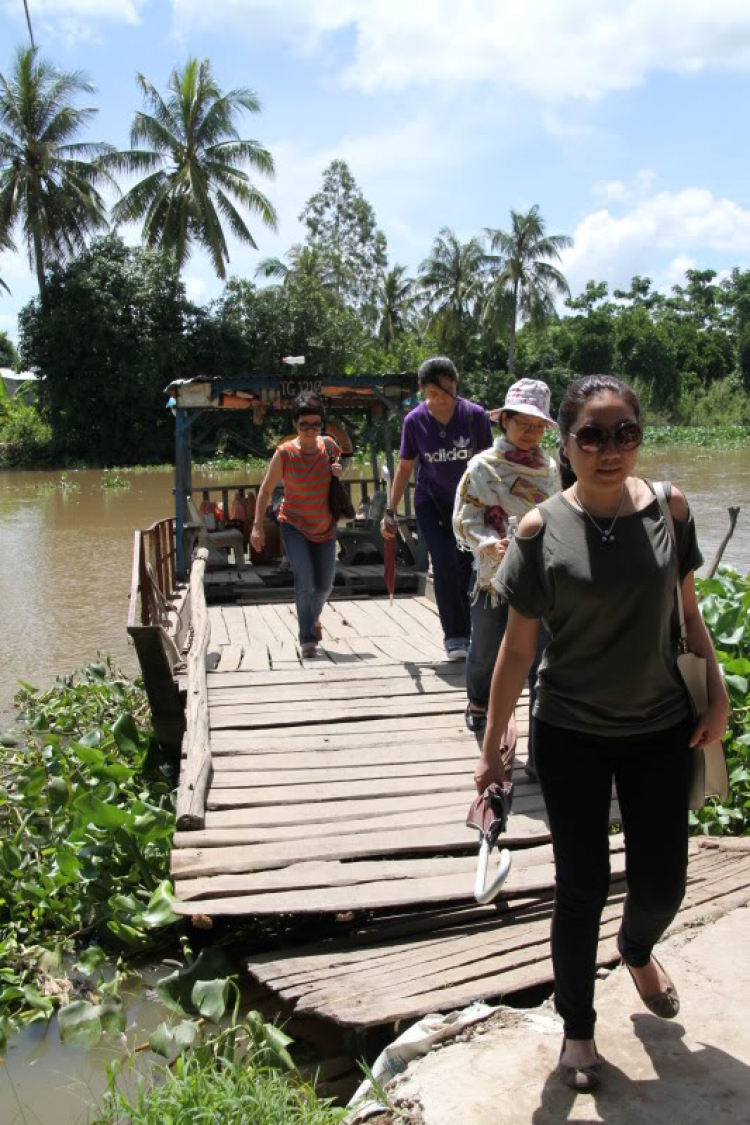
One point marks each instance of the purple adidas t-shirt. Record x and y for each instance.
(443, 451)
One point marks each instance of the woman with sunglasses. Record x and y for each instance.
(308, 530)
(597, 563)
(500, 484)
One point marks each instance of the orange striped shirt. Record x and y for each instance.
(307, 480)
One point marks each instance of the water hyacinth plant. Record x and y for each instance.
(86, 820)
(725, 604)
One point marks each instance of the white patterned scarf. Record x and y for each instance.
(500, 482)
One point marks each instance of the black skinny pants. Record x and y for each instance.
(652, 776)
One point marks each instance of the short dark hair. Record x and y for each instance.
(435, 368)
(589, 386)
(308, 403)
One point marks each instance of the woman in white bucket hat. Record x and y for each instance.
(501, 485)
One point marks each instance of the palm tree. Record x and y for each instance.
(395, 297)
(198, 156)
(6, 243)
(46, 182)
(303, 262)
(521, 274)
(451, 278)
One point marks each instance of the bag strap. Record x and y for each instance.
(661, 496)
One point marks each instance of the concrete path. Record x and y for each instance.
(694, 1070)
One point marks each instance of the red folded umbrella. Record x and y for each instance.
(389, 545)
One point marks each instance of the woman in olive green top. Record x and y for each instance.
(597, 564)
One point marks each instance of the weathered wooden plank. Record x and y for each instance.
(377, 686)
(249, 742)
(446, 670)
(254, 779)
(369, 896)
(322, 875)
(313, 760)
(332, 811)
(234, 860)
(245, 831)
(230, 657)
(445, 722)
(387, 1001)
(245, 715)
(195, 773)
(302, 795)
(219, 634)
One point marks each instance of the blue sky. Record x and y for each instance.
(625, 120)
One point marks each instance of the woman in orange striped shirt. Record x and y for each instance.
(308, 529)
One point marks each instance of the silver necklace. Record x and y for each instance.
(605, 532)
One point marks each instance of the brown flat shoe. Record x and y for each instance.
(580, 1078)
(665, 1004)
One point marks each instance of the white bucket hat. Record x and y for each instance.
(527, 396)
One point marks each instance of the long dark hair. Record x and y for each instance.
(576, 397)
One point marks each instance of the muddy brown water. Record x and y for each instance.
(65, 559)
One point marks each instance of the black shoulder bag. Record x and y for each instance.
(339, 500)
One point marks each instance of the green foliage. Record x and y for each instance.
(48, 182)
(113, 335)
(342, 230)
(86, 823)
(112, 480)
(238, 1076)
(24, 435)
(725, 605)
(8, 353)
(195, 165)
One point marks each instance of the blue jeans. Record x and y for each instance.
(314, 568)
(488, 624)
(451, 570)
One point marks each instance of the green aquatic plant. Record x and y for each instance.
(86, 822)
(725, 605)
(67, 485)
(111, 479)
(240, 1074)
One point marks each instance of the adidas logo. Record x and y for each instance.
(462, 442)
(448, 455)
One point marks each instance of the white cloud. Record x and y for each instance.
(688, 224)
(554, 50)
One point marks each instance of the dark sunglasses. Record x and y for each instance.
(309, 425)
(592, 439)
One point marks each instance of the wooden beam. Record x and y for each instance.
(196, 773)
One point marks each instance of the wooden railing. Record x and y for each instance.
(359, 488)
(195, 774)
(153, 575)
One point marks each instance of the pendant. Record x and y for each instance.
(607, 537)
(442, 433)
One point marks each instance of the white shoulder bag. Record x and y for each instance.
(709, 778)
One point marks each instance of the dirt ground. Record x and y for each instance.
(694, 1070)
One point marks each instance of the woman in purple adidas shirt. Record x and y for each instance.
(443, 433)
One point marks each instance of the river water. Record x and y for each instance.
(66, 545)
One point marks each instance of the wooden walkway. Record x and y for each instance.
(339, 787)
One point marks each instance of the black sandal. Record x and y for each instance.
(476, 721)
(580, 1078)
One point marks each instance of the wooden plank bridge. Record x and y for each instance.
(338, 788)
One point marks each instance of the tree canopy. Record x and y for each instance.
(48, 181)
(196, 162)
